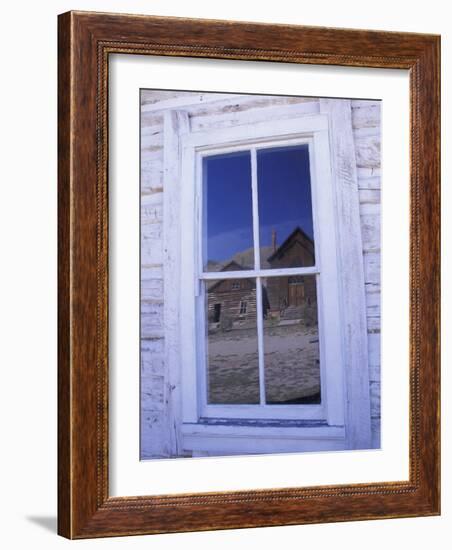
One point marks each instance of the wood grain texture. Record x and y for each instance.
(64, 295)
(175, 124)
(85, 41)
(352, 281)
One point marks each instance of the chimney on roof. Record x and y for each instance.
(273, 240)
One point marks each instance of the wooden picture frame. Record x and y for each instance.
(85, 508)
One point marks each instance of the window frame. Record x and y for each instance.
(311, 130)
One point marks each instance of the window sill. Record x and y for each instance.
(229, 437)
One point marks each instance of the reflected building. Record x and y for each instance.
(292, 297)
(232, 302)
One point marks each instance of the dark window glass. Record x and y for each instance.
(232, 357)
(285, 208)
(291, 340)
(227, 212)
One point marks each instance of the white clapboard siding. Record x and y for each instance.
(371, 196)
(369, 209)
(152, 289)
(152, 347)
(151, 160)
(151, 363)
(358, 103)
(151, 140)
(368, 151)
(151, 251)
(212, 104)
(151, 210)
(151, 314)
(370, 232)
(153, 428)
(375, 390)
(376, 438)
(151, 272)
(152, 180)
(252, 115)
(366, 132)
(374, 373)
(149, 96)
(366, 118)
(150, 156)
(369, 183)
(373, 304)
(147, 131)
(368, 172)
(372, 267)
(243, 103)
(373, 324)
(150, 122)
(166, 100)
(152, 387)
(373, 344)
(152, 434)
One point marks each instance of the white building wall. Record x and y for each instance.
(366, 130)
(208, 111)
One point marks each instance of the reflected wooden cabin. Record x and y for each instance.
(293, 297)
(232, 302)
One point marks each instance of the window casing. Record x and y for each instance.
(344, 355)
(309, 131)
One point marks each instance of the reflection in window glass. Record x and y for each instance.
(232, 356)
(291, 340)
(285, 209)
(227, 212)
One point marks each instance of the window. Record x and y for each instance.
(216, 313)
(261, 302)
(243, 308)
(274, 354)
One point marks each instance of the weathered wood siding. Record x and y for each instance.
(208, 111)
(366, 118)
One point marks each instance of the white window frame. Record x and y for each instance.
(337, 419)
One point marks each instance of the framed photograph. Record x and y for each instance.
(248, 275)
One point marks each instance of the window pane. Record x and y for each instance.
(285, 208)
(227, 212)
(291, 340)
(232, 356)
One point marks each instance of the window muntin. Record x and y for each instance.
(294, 257)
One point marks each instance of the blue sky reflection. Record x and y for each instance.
(284, 198)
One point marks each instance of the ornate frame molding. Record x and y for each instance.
(85, 42)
